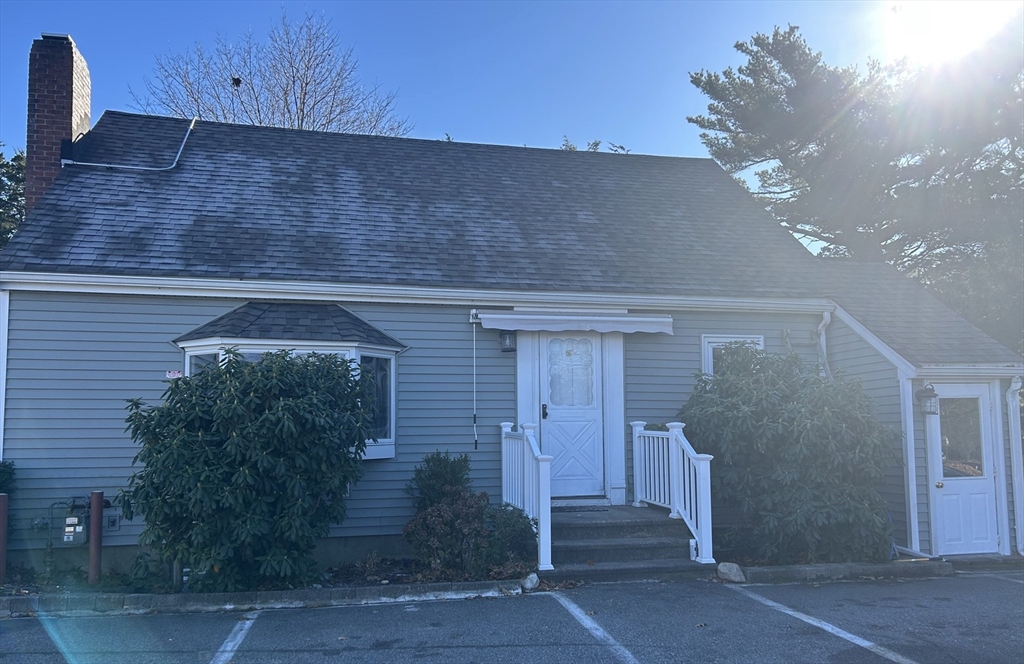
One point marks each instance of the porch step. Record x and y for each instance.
(620, 549)
(621, 543)
(665, 569)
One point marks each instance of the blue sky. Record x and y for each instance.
(508, 73)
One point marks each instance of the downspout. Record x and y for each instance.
(473, 319)
(5, 318)
(826, 318)
(191, 126)
(1017, 473)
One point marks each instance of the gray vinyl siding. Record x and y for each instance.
(73, 359)
(660, 370)
(434, 380)
(851, 354)
(72, 362)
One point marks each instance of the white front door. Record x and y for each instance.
(962, 471)
(571, 416)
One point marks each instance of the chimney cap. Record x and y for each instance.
(56, 36)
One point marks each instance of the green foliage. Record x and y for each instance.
(247, 464)
(7, 477)
(800, 454)
(12, 194)
(456, 533)
(437, 478)
(923, 169)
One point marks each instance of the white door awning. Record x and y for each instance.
(575, 322)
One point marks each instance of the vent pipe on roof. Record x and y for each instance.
(125, 167)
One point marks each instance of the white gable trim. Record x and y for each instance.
(312, 291)
(883, 348)
(581, 322)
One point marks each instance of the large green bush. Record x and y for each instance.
(456, 533)
(799, 453)
(247, 464)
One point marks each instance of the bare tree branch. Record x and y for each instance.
(301, 77)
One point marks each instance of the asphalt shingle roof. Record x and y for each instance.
(306, 321)
(263, 203)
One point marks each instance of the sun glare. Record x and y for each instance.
(940, 31)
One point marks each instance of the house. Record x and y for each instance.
(153, 242)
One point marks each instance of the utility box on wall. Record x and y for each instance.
(76, 526)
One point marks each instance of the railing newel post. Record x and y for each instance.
(675, 465)
(639, 461)
(705, 553)
(544, 514)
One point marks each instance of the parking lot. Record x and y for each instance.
(977, 617)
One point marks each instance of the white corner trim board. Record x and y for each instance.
(1017, 472)
(909, 459)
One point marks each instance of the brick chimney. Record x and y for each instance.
(58, 109)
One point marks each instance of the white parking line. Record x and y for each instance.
(595, 630)
(235, 638)
(828, 627)
(991, 576)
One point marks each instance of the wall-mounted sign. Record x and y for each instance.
(174, 374)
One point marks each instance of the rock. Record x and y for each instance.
(731, 572)
(531, 582)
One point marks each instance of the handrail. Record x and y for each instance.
(526, 483)
(668, 472)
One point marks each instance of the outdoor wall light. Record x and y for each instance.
(508, 341)
(928, 399)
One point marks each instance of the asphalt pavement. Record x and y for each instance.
(972, 617)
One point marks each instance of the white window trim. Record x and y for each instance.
(352, 351)
(708, 343)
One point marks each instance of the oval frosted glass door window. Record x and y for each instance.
(960, 424)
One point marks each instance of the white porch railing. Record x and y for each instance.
(668, 472)
(526, 482)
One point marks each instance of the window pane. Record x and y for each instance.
(379, 371)
(716, 357)
(960, 426)
(196, 363)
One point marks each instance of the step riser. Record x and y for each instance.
(579, 532)
(640, 551)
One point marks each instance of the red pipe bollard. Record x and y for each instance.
(3, 538)
(95, 535)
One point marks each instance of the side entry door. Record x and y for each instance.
(962, 473)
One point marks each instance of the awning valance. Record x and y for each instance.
(574, 322)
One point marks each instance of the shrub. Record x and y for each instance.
(247, 464)
(438, 477)
(800, 454)
(7, 477)
(456, 533)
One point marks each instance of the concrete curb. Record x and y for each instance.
(846, 572)
(117, 604)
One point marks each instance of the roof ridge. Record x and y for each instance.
(470, 144)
